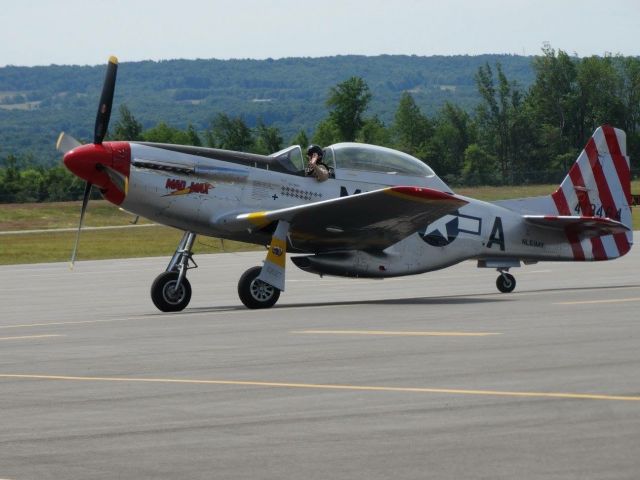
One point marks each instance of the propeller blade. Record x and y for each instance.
(118, 179)
(85, 201)
(66, 143)
(106, 101)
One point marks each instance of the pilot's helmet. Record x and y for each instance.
(315, 149)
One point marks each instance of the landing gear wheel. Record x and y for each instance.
(166, 297)
(506, 283)
(255, 293)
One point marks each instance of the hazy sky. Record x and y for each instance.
(42, 32)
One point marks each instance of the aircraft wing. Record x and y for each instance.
(366, 221)
(586, 226)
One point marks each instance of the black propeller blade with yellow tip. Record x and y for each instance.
(106, 101)
(67, 143)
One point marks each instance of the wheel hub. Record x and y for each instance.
(261, 291)
(173, 295)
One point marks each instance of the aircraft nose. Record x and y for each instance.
(87, 161)
(106, 165)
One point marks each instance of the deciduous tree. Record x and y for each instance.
(127, 127)
(348, 101)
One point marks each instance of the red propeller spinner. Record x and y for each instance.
(105, 165)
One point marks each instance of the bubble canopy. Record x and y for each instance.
(358, 156)
(372, 158)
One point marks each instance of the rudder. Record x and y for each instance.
(599, 185)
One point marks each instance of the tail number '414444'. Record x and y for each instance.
(599, 211)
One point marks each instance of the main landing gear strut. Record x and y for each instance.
(260, 287)
(171, 291)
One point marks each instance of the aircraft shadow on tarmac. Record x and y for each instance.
(443, 300)
(449, 300)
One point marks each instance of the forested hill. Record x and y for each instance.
(36, 103)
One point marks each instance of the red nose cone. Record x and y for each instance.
(105, 165)
(86, 162)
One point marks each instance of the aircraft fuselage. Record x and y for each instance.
(199, 200)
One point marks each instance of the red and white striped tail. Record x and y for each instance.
(599, 184)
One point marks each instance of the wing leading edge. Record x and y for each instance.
(367, 221)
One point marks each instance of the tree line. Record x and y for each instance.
(37, 102)
(513, 136)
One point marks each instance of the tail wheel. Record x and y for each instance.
(255, 293)
(506, 283)
(166, 296)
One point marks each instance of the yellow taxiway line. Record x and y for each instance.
(452, 391)
(29, 337)
(398, 333)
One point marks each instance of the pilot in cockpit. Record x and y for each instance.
(315, 166)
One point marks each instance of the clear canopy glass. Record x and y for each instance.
(357, 156)
(372, 158)
(290, 158)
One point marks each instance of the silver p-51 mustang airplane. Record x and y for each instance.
(381, 212)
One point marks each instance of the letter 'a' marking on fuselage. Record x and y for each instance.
(497, 234)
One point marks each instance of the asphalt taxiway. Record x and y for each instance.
(430, 376)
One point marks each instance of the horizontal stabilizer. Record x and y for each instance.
(585, 226)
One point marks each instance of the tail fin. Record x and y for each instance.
(599, 185)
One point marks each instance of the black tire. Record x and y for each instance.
(255, 293)
(163, 295)
(506, 283)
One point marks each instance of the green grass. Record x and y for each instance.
(488, 193)
(147, 241)
(102, 244)
(31, 216)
